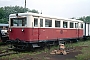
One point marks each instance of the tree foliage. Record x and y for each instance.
(1, 13)
(34, 11)
(7, 10)
(85, 19)
(73, 18)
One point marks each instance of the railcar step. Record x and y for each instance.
(35, 45)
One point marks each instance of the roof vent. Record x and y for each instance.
(17, 14)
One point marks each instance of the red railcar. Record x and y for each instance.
(34, 30)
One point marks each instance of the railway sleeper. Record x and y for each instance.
(4, 54)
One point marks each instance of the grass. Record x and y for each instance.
(3, 48)
(80, 43)
(85, 51)
(84, 56)
(23, 54)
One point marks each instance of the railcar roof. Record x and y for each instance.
(42, 15)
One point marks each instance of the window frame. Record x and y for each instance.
(49, 22)
(76, 25)
(59, 23)
(81, 25)
(34, 21)
(41, 22)
(71, 26)
(66, 24)
(23, 24)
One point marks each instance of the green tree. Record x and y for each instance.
(7, 10)
(85, 19)
(73, 18)
(1, 13)
(34, 11)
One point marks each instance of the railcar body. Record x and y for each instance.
(86, 30)
(34, 30)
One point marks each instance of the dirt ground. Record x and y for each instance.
(47, 56)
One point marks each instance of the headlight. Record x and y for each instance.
(22, 30)
(10, 29)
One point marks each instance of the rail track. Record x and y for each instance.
(7, 52)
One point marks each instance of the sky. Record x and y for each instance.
(59, 8)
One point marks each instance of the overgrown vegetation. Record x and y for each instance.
(84, 56)
(85, 51)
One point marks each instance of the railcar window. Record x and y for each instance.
(18, 21)
(64, 24)
(48, 23)
(71, 24)
(35, 22)
(76, 25)
(57, 23)
(41, 22)
(81, 25)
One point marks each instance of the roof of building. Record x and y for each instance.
(4, 24)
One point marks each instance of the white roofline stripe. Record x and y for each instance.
(41, 15)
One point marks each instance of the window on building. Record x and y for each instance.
(76, 25)
(41, 22)
(35, 22)
(64, 24)
(71, 24)
(81, 25)
(18, 22)
(48, 23)
(57, 23)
